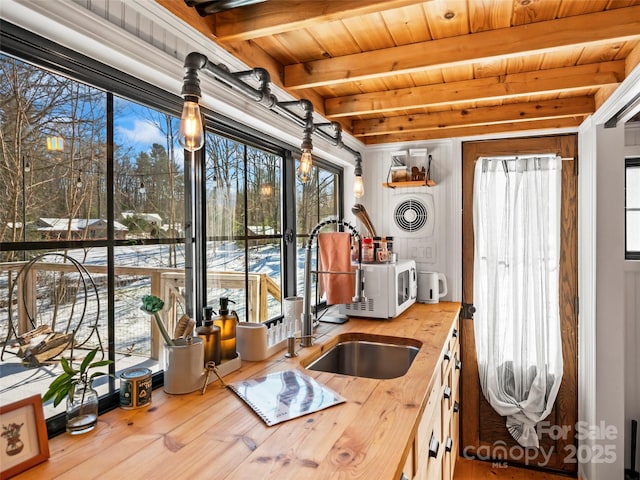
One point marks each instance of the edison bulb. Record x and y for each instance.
(358, 186)
(305, 164)
(191, 133)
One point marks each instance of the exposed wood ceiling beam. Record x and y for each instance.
(508, 86)
(272, 18)
(544, 74)
(189, 15)
(569, 122)
(247, 52)
(633, 59)
(603, 93)
(520, 112)
(613, 25)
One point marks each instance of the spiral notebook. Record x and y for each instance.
(281, 396)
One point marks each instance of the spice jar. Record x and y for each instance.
(389, 241)
(367, 250)
(376, 247)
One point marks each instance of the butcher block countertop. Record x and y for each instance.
(217, 436)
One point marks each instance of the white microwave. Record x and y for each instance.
(389, 289)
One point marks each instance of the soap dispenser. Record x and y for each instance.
(210, 335)
(227, 321)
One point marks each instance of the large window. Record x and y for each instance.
(632, 209)
(244, 228)
(75, 208)
(96, 200)
(316, 199)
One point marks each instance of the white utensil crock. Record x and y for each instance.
(184, 366)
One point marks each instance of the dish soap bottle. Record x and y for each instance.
(210, 335)
(227, 323)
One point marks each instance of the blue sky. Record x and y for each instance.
(132, 130)
(135, 126)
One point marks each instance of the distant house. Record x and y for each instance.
(150, 224)
(77, 228)
(151, 218)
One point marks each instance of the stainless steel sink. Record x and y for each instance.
(368, 356)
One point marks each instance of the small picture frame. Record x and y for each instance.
(23, 438)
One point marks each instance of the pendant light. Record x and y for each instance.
(306, 161)
(191, 133)
(358, 186)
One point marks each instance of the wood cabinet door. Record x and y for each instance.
(483, 432)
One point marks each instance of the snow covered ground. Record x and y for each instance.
(132, 329)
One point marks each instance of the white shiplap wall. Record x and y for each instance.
(437, 252)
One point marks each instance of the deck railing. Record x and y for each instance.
(166, 283)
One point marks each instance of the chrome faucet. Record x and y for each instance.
(306, 339)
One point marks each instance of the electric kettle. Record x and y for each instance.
(432, 286)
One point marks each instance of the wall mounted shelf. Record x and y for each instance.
(412, 183)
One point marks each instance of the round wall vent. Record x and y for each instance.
(411, 216)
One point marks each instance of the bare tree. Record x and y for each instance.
(37, 182)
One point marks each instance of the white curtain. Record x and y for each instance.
(516, 219)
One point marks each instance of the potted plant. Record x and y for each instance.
(76, 385)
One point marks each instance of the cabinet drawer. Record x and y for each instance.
(432, 452)
(456, 368)
(446, 363)
(448, 381)
(427, 415)
(448, 458)
(452, 345)
(455, 419)
(447, 410)
(455, 442)
(429, 436)
(454, 335)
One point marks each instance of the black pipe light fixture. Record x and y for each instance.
(307, 144)
(191, 133)
(211, 7)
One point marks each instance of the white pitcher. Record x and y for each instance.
(432, 286)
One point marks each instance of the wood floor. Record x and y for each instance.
(478, 470)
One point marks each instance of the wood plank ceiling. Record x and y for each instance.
(403, 70)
